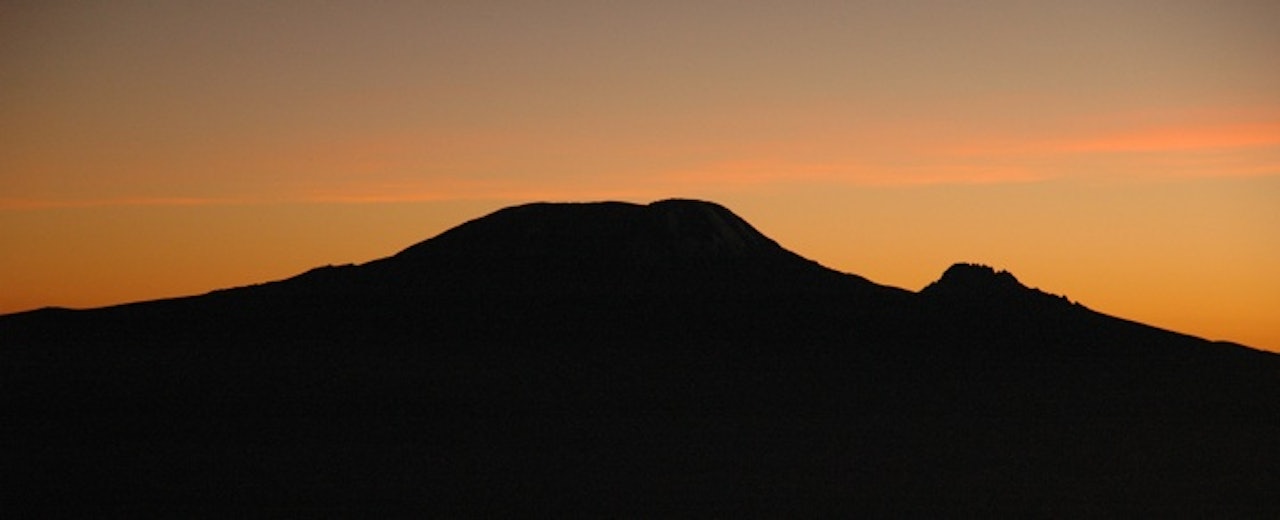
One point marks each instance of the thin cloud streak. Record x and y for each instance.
(43, 204)
(1178, 139)
(385, 170)
(384, 195)
(748, 173)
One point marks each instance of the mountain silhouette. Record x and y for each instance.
(614, 358)
(665, 231)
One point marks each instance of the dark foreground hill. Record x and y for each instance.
(622, 359)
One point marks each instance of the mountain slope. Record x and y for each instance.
(606, 358)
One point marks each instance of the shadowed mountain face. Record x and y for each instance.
(615, 358)
(662, 232)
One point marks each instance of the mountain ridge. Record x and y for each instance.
(604, 358)
(709, 230)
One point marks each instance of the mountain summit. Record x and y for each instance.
(668, 230)
(603, 359)
(981, 284)
(969, 278)
(547, 250)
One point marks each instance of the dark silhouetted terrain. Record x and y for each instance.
(623, 359)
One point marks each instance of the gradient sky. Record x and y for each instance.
(1124, 153)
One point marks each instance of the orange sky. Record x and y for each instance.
(1125, 153)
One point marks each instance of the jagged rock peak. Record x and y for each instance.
(966, 278)
(979, 273)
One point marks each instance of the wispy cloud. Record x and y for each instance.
(747, 173)
(414, 166)
(67, 203)
(455, 189)
(1173, 139)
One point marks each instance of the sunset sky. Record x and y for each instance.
(1123, 153)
